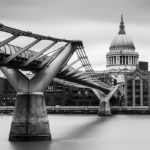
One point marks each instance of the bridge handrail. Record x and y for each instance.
(19, 32)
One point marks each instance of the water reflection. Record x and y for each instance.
(87, 128)
(90, 132)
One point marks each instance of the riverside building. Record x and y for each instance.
(137, 87)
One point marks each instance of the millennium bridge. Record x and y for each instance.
(51, 63)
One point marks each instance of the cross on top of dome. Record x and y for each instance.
(122, 27)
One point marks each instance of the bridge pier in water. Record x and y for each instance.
(104, 106)
(104, 109)
(30, 120)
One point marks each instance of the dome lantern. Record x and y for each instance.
(122, 27)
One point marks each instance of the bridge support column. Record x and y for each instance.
(104, 109)
(104, 106)
(30, 121)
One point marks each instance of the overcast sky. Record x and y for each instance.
(95, 22)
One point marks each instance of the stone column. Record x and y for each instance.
(141, 92)
(125, 60)
(133, 91)
(114, 60)
(128, 60)
(118, 60)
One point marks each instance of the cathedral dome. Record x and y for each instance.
(122, 41)
(122, 54)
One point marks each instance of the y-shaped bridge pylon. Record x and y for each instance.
(104, 106)
(30, 120)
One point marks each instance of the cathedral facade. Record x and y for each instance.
(122, 63)
(122, 56)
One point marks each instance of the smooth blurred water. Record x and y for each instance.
(86, 132)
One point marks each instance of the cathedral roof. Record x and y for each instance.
(122, 41)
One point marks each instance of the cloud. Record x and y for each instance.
(95, 22)
(53, 10)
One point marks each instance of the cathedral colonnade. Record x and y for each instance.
(122, 60)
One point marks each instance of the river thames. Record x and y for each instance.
(86, 132)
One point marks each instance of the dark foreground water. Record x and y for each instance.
(87, 132)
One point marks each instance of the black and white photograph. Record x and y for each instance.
(74, 75)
